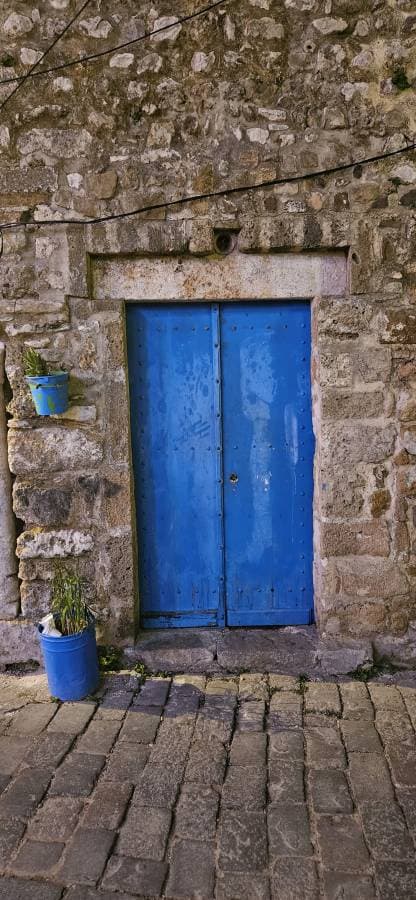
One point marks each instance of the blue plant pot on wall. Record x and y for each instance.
(71, 664)
(49, 393)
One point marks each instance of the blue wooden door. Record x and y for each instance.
(174, 389)
(268, 454)
(222, 452)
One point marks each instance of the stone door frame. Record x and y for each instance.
(123, 247)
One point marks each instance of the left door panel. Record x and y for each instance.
(176, 428)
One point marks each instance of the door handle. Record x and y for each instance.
(233, 478)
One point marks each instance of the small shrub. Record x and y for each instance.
(400, 79)
(69, 604)
(109, 658)
(34, 364)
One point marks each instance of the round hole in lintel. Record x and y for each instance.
(224, 241)
(355, 258)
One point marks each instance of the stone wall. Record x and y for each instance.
(254, 90)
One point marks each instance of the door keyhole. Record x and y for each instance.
(233, 478)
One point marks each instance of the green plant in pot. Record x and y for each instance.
(49, 388)
(68, 641)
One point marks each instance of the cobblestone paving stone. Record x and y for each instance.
(242, 788)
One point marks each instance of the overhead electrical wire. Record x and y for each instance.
(223, 192)
(31, 74)
(100, 53)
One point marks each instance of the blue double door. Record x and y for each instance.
(222, 447)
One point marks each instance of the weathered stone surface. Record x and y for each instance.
(294, 877)
(33, 718)
(86, 856)
(19, 889)
(340, 660)
(55, 820)
(342, 844)
(77, 775)
(324, 748)
(72, 718)
(288, 829)
(36, 858)
(385, 831)
(242, 841)
(186, 879)
(142, 876)
(349, 886)
(369, 777)
(59, 449)
(329, 791)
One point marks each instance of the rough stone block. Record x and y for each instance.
(344, 658)
(206, 762)
(157, 786)
(397, 326)
(86, 856)
(363, 539)
(293, 878)
(289, 834)
(107, 806)
(341, 844)
(356, 444)
(385, 831)
(192, 871)
(50, 544)
(244, 786)
(19, 889)
(23, 794)
(58, 448)
(395, 880)
(47, 750)
(285, 711)
(286, 745)
(245, 887)
(145, 832)
(322, 698)
(350, 887)
(36, 858)
(11, 831)
(72, 718)
(145, 877)
(360, 737)
(196, 813)
(242, 841)
(12, 752)
(77, 775)
(356, 703)
(55, 820)
(33, 718)
(324, 748)
(248, 749)
(283, 683)
(99, 737)
(369, 777)
(402, 761)
(329, 791)
(386, 697)
(286, 781)
(126, 763)
(253, 687)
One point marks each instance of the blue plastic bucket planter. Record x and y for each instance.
(71, 664)
(49, 393)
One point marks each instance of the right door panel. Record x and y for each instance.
(268, 450)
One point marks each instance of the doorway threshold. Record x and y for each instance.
(292, 650)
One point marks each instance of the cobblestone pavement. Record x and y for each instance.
(253, 787)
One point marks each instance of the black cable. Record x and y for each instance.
(100, 53)
(192, 198)
(31, 74)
